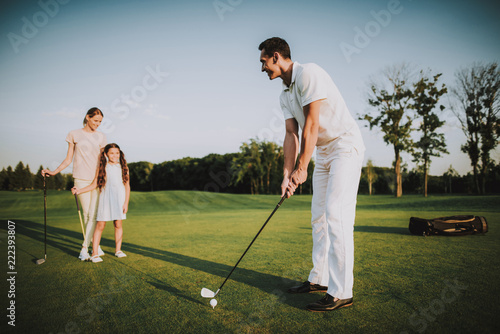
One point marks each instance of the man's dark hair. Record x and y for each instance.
(275, 44)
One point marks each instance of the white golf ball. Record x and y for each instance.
(213, 303)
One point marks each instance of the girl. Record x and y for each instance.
(84, 145)
(112, 179)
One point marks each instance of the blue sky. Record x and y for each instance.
(182, 78)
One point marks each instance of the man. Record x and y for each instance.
(311, 100)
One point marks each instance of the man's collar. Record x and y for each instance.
(294, 73)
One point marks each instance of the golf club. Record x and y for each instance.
(81, 221)
(206, 293)
(40, 261)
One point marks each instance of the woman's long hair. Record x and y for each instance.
(103, 161)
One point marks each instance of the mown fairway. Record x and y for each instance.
(179, 242)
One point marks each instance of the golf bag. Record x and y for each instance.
(453, 225)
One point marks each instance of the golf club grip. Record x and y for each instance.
(77, 204)
(272, 213)
(44, 201)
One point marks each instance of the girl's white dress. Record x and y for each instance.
(112, 196)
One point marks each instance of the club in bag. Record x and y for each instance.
(206, 293)
(40, 261)
(81, 221)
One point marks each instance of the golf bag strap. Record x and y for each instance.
(455, 219)
(484, 224)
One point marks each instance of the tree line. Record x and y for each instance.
(256, 169)
(381, 180)
(21, 178)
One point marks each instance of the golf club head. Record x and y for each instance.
(206, 293)
(40, 261)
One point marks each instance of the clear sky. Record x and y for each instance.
(182, 78)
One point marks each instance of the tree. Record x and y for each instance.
(392, 99)
(22, 178)
(9, 179)
(28, 178)
(413, 181)
(476, 91)
(38, 179)
(59, 182)
(259, 164)
(448, 177)
(493, 184)
(4, 179)
(385, 181)
(249, 164)
(371, 175)
(140, 175)
(68, 181)
(430, 144)
(272, 160)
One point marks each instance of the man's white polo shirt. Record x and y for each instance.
(311, 83)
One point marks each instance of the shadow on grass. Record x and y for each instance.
(158, 284)
(375, 229)
(382, 229)
(268, 283)
(56, 237)
(59, 238)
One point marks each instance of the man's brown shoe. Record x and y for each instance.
(307, 287)
(327, 303)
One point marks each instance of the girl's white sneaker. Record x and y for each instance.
(120, 254)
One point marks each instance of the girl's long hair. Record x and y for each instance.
(103, 161)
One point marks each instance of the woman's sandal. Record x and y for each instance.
(96, 258)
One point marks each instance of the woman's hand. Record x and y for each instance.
(46, 172)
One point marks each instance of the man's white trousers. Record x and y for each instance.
(335, 187)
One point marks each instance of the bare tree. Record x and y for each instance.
(477, 93)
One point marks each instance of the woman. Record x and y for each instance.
(85, 145)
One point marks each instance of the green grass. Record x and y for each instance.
(179, 242)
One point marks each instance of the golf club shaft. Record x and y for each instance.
(81, 221)
(77, 204)
(275, 209)
(45, 214)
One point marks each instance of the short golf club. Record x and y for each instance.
(206, 293)
(40, 261)
(81, 221)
